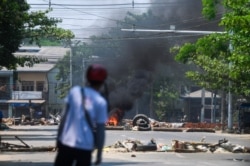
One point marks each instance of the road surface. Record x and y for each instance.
(45, 136)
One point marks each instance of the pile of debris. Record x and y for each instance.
(26, 120)
(139, 123)
(24, 147)
(142, 123)
(177, 146)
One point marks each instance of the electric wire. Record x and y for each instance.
(106, 18)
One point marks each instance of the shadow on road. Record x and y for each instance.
(18, 163)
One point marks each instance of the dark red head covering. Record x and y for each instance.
(96, 73)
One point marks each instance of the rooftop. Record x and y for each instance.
(51, 53)
(198, 94)
(41, 67)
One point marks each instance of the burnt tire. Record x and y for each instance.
(142, 122)
(144, 128)
(146, 147)
(140, 119)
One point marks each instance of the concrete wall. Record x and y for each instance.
(33, 76)
(54, 103)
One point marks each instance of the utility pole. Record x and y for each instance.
(49, 4)
(70, 66)
(203, 105)
(71, 51)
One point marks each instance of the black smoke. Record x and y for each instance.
(132, 73)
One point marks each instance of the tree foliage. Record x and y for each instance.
(222, 57)
(63, 75)
(77, 60)
(18, 23)
(165, 96)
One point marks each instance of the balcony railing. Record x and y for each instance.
(23, 95)
(26, 95)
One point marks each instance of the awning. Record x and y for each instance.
(25, 101)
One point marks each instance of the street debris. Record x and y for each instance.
(132, 145)
(140, 122)
(178, 146)
(26, 120)
(128, 145)
(24, 147)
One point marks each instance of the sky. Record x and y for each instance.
(88, 17)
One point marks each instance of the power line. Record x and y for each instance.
(140, 38)
(106, 18)
(176, 23)
(65, 6)
(168, 4)
(77, 5)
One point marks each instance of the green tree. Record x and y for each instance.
(18, 23)
(63, 76)
(44, 42)
(78, 57)
(222, 57)
(165, 96)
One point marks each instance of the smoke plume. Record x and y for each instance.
(139, 67)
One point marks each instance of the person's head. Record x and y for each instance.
(96, 75)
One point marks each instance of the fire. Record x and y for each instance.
(113, 121)
(115, 117)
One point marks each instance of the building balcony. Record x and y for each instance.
(24, 97)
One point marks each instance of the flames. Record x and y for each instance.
(113, 121)
(115, 117)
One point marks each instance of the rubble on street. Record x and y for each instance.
(139, 123)
(23, 147)
(179, 146)
(25, 120)
(128, 145)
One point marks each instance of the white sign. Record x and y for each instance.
(20, 95)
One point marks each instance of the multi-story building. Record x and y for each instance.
(31, 90)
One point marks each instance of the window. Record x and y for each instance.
(39, 85)
(27, 85)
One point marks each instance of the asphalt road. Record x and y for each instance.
(37, 136)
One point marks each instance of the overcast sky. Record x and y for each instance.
(91, 17)
(85, 17)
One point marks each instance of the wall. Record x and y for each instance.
(34, 76)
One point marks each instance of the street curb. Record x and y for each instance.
(167, 129)
(200, 130)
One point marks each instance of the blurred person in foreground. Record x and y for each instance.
(1, 119)
(76, 140)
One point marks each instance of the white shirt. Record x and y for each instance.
(76, 131)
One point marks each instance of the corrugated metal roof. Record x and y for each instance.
(23, 101)
(49, 52)
(197, 94)
(41, 67)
